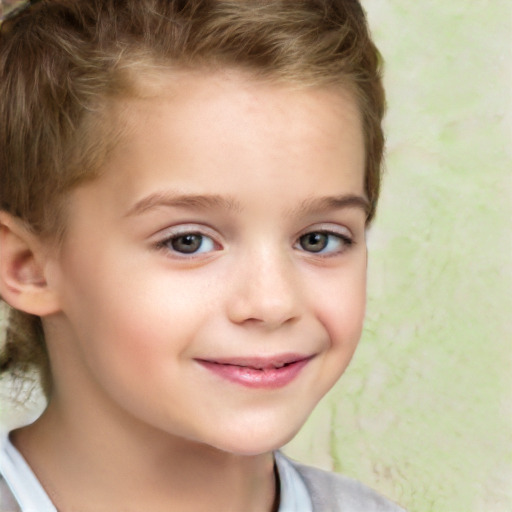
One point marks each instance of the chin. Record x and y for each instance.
(256, 441)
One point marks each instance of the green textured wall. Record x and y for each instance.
(424, 414)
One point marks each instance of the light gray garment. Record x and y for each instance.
(331, 492)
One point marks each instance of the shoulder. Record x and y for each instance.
(331, 492)
(7, 501)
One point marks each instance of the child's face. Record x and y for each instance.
(227, 230)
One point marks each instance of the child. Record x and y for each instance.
(185, 188)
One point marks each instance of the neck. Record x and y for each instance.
(123, 466)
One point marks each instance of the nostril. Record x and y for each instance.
(265, 297)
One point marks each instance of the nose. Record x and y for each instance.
(266, 291)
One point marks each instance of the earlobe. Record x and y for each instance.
(23, 283)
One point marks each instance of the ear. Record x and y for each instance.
(23, 283)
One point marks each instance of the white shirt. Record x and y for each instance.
(32, 497)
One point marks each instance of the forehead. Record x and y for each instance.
(201, 108)
(230, 134)
(205, 90)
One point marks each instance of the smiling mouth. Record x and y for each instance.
(258, 372)
(260, 363)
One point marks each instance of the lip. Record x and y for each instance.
(258, 372)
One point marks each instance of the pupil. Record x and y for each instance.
(314, 242)
(187, 243)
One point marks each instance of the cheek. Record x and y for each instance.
(341, 309)
(108, 314)
(144, 320)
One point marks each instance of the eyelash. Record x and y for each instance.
(344, 242)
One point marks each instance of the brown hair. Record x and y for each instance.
(62, 62)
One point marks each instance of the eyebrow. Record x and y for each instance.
(320, 204)
(172, 200)
(214, 201)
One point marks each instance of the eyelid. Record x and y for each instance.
(184, 228)
(328, 228)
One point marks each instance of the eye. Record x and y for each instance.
(189, 243)
(324, 242)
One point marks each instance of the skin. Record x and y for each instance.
(135, 422)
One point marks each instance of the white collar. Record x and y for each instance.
(294, 493)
